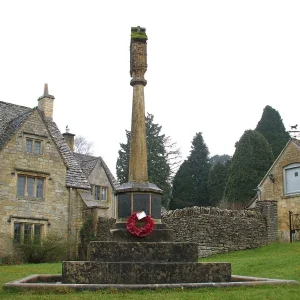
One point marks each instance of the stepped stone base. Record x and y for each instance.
(92, 272)
(141, 252)
(157, 235)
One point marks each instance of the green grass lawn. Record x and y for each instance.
(280, 261)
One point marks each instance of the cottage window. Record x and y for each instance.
(17, 233)
(33, 146)
(30, 186)
(104, 193)
(26, 233)
(99, 192)
(291, 179)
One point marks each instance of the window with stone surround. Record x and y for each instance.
(99, 192)
(291, 179)
(33, 146)
(27, 233)
(29, 186)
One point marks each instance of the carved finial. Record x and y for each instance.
(46, 93)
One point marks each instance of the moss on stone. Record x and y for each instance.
(138, 35)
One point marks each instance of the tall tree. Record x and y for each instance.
(190, 182)
(162, 158)
(252, 158)
(272, 128)
(217, 179)
(122, 166)
(182, 186)
(219, 159)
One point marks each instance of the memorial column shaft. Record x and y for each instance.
(138, 168)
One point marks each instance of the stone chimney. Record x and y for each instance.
(46, 103)
(69, 137)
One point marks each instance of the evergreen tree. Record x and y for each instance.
(252, 158)
(162, 156)
(190, 182)
(217, 179)
(272, 128)
(181, 192)
(123, 159)
(219, 158)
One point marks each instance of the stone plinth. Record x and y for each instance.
(140, 252)
(133, 197)
(92, 272)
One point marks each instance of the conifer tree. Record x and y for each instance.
(181, 191)
(217, 179)
(162, 157)
(272, 128)
(190, 182)
(223, 159)
(252, 158)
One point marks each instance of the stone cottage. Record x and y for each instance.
(44, 186)
(282, 184)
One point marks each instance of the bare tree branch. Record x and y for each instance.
(82, 145)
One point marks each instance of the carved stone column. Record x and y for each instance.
(138, 194)
(138, 169)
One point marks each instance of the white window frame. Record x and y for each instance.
(285, 169)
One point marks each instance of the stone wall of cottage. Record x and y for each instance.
(275, 191)
(220, 230)
(52, 211)
(98, 177)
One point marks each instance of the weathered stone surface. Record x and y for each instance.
(221, 230)
(89, 272)
(142, 252)
(138, 187)
(157, 235)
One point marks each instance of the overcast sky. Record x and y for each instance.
(212, 66)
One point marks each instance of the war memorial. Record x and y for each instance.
(140, 252)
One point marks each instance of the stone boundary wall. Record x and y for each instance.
(221, 230)
(216, 230)
(269, 210)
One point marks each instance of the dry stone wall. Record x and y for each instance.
(216, 230)
(220, 230)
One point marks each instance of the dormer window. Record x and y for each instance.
(99, 192)
(104, 193)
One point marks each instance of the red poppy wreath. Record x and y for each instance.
(139, 231)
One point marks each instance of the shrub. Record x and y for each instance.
(10, 260)
(52, 248)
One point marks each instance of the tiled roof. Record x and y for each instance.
(75, 177)
(13, 116)
(87, 164)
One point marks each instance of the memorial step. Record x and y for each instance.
(142, 252)
(92, 272)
